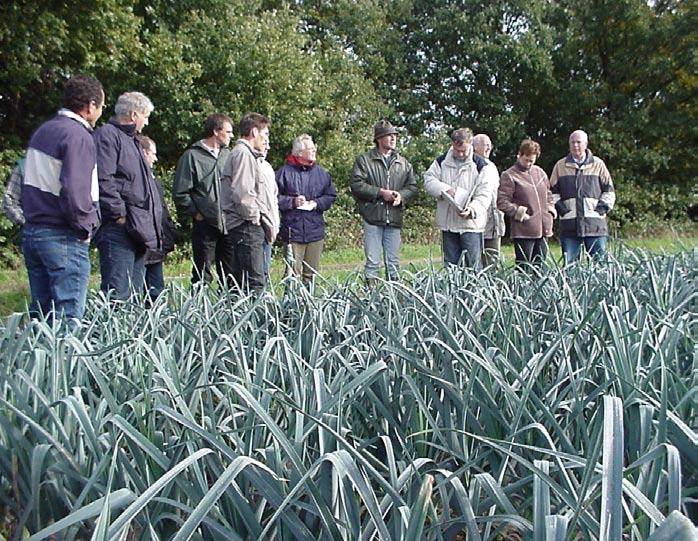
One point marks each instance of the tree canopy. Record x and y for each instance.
(623, 70)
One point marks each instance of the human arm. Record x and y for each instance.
(11, 199)
(327, 197)
(185, 178)
(361, 186)
(506, 199)
(608, 194)
(241, 172)
(78, 179)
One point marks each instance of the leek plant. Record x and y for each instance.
(548, 405)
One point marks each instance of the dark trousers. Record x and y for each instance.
(210, 247)
(530, 251)
(248, 263)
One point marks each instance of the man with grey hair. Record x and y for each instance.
(494, 229)
(583, 193)
(458, 180)
(305, 193)
(128, 198)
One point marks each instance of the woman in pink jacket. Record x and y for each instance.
(524, 195)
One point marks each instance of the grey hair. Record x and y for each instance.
(580, 132)
(299, 143)
(146, 142)
(480, 138)
(133, 102)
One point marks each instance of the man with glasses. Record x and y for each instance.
(59, 202)
(197, 195)
(244, 206)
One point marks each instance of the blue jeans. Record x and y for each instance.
(154, 279)
(572, 246)
(386, 240)
(58, 267)
(466, 245)
(121, 261)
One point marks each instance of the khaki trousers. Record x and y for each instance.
(306, 259)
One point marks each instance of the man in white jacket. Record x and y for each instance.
(458, 181)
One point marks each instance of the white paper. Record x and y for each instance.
(308, 205)
(460, 200)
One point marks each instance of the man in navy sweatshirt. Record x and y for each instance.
(59, 200)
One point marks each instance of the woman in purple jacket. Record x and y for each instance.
(305, 193)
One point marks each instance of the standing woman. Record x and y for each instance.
(305, 193)
(524, 195)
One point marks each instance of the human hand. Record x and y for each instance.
(386, 195)
(466, 213)
(298, 201)
(121, 220)
(198, 216)
(398, 199)
(451, 192)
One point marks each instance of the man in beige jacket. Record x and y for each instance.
(458, 180)
(244, 206)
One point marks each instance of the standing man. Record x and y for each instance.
(244, 208)
(305, 193)
(197, 194)
(271, 201)
(59, 200)
(128, 198)
(460, 183)
(382, 183)
(525, 196)
(154, 259)
(583, 193)
(494, 229)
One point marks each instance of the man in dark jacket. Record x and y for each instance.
(197, 194)
(154, 259)
(305, 193)
(583, 192)
(128, 198)
(382, 183)
(59, 201)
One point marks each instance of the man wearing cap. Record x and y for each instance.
(583, 193)
(382, 183)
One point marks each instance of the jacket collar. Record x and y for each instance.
(451, 160)
(375, 155)
(128, 129)
(587, 160)
(70, 114)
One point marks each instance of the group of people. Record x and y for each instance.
(79, 185)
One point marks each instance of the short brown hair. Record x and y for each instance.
(250, 121)
(528, 147)
(214, 122)
(462, 135)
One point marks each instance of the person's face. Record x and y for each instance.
(151, 155)
(387, 143)
(140, 120)
(526, 161)
(265, 150)
(94, 111)
(309, 151)
(483, 147)
(460, 149)
(259, 138)
(578, 145)
(224, 134)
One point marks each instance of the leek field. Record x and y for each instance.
(551, 405)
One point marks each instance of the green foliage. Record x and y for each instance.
(447, 403)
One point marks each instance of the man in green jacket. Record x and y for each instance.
(382, 183)
(197, 194)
